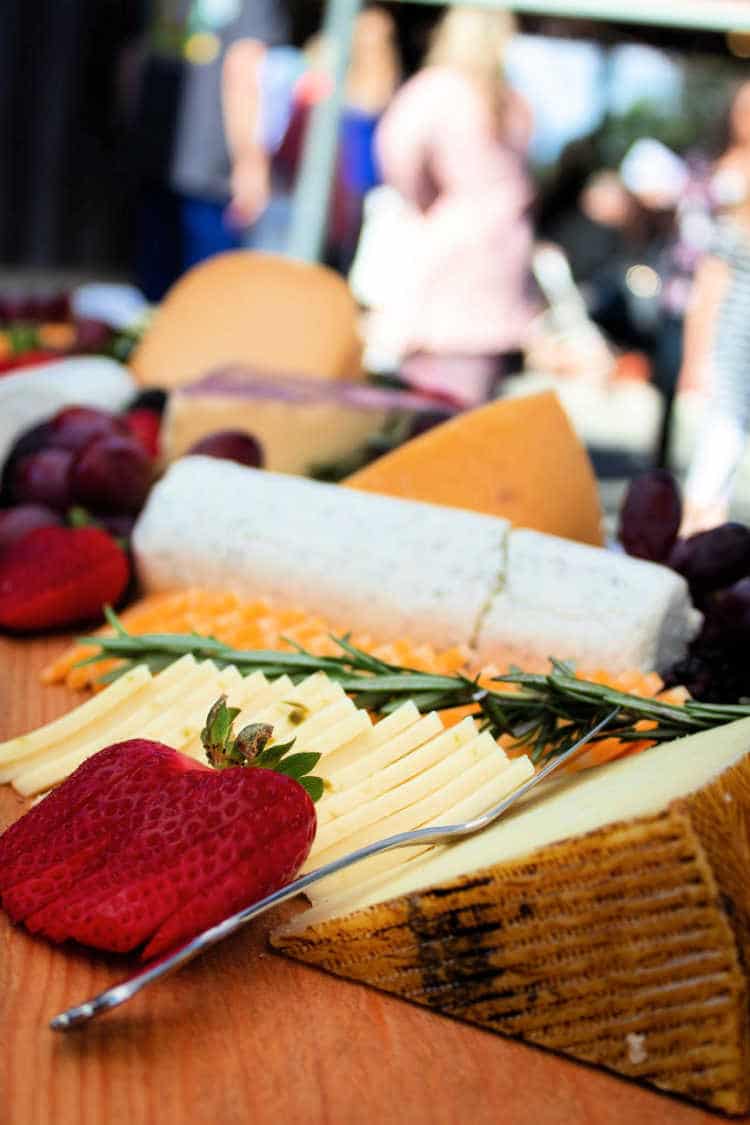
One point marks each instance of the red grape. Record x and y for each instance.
(713, 559)
(112, 474)
(231, 445)
(75, 426)
(92, 335)
(144, 425)
(16, 522)
(43, 477)
(650, 516)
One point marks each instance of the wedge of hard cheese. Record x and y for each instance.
(517, 458)
(301, 423)
(396, 568)
(609, 920)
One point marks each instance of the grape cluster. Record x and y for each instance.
(81, 459)
(716, 567)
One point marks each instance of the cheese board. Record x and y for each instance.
(393, 663)
(246, 1034)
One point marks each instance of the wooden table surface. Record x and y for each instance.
(244, 1036)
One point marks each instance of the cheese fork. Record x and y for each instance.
(121, 993)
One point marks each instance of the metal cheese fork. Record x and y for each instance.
(121, 993)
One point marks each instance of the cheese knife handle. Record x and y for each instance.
(120, 993)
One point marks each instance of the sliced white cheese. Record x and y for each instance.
(359, 764)
(302, 701)
(392, 567)
(99, 707)
(413, 803)
(317, 723)
(56, 763)
(338, 735)
(385, 730)
(405, 768)
(594, 607)
(372, 873)
(638, 786)
(180, 723)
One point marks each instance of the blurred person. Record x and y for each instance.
(178, 142)
(453, 143)
(268, 95)
(717, 334)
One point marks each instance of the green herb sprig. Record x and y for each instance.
(545, 714)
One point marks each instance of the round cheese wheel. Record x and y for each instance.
(269, 312)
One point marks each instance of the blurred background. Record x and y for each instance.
(544, 194)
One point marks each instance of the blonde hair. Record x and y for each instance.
(474, 40)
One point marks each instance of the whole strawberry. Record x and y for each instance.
(145, 847)
(58, 576)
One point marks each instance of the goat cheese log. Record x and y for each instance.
(395, 568)
(35, 394)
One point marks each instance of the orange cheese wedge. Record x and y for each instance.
(518, 458)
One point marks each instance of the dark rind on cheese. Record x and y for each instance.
(639, 928)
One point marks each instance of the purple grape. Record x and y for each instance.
(650, 516)
(112, 474)
(17, 522)
(43, 478)
(713, 559)
(38, 437)
(76, 426)
(231, 445)
(728, 613)
(92, 335)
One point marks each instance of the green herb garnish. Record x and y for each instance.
(546, 714)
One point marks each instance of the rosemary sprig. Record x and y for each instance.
(546, 714)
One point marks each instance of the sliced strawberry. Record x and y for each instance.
(58, 576)
(250, 880)
(173, 854)
(79, 822)
(142, 844)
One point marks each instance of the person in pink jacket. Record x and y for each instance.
(453, 143)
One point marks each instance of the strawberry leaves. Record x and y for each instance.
(252, 747)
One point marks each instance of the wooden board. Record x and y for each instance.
(243, 1035)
